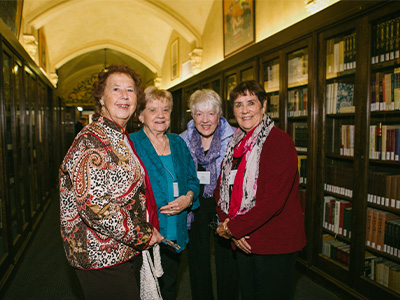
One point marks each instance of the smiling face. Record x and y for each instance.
(205, 120)
(156, 116)
(119, 99)
(248, 111)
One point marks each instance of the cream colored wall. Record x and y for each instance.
(213, 48)
(272, 16)
(184, 49)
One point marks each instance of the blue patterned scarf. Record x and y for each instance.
(207, 161)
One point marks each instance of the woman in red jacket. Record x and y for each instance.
(258, 198)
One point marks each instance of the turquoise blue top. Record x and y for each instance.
(169, 171)
(185, 172)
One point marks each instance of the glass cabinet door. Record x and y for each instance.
(30, 127)
(297, 101)
(382, 263)
(230, 83)
(271, 79)
(9, 134)
(337, 108)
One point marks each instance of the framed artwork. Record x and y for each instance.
(42, 49)
(18, 19)
(174, 59)
(11, 14)
(239, 20)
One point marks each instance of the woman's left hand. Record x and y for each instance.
(177, 206)
(242, 244)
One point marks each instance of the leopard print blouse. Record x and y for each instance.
(102, 198)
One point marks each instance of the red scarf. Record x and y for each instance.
(237, 191)
(151, 206)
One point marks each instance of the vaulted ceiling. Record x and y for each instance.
(83, 35)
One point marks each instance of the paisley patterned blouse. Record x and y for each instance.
(102, 198)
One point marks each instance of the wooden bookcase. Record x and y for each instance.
(339, 58)
(33, 139)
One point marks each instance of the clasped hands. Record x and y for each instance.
(241, 243)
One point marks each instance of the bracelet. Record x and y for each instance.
(191, 199)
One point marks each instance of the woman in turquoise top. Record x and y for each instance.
(172, 176)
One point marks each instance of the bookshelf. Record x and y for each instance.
(337, 68)
(382, 198)
(297, 97)
(345, 132)
(270, 75)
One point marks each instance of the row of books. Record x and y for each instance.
(383, 231)
(339, 98)
(385, 91)
(335, 249)
(340, 55)
(299, 133)
(382, 271)
(347, 140)
(384, 189)
(297, 102)
(298, 69)
(339, 180)
(271, 78)
(302, 166)
(384, 142)
(337, 216)
(273, 106)
(386, 41)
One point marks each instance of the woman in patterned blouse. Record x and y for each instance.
(105, 194)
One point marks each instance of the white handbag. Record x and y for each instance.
(149, 288)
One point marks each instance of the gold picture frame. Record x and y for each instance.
(18, 18)
(238, 25)
(42, 49)
(174, 50)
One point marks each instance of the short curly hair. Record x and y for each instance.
(153, 93)
(208, 98)
(250, 87)
(100, 84)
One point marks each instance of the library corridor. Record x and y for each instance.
(329, 71)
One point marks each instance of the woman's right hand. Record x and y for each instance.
(156, 238)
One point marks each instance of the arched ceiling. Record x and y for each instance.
(78, 31)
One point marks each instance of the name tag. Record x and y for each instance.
(176, 189)
(204, 177)
(232, 176)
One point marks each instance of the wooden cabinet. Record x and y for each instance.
(30, 149)
(334, 86)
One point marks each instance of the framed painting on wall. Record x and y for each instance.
(174, 59)
(42, 49)
(238, 24)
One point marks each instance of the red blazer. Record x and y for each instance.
(275, 224)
